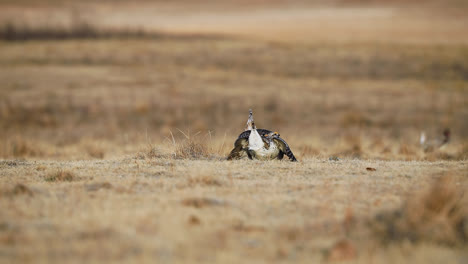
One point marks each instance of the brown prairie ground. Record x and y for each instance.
(112, 139)
(199, 211)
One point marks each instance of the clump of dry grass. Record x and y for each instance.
(20, 147)
(342, 250)
(21, 189)
(194, 220)
(202, 202)
(438, 214)
(97, 186)
(355, 118)
(205, 180)
(352, 147)
(154, 152)
(61, 176)
(463, 152)
(94, 149)
(439, 155)
(18, 189)
(407, 150)
(192, 147)
(9, 163)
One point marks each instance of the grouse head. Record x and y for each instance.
(446, 135)
(250, 122)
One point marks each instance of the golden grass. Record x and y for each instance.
(113, 143)
(320, 112)
(438, 214)
(153, 152)
(60, 176)
(205, 179)
(190, 150)
(131, 209)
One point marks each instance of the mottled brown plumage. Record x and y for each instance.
(274, 147)
(429, 145)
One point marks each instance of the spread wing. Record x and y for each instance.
(238, 151)
(284, 149)
(242, 143)
(246, 133)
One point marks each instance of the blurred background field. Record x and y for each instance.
(350, 78)
(115, 118)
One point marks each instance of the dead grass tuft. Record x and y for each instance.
(241, 227)
(463, 152)
(18, 189)
(202, 202)
(205, 180)
(438, 214)
(155, 153)
(308, 151)
(95, 151)
(355, 118)
(9, 163)
(194, 220)
(61, 176)
(192, 149)
(152, 152)
(21, 189)
(97, 186)
(408, 150)
(354, 151)
(439, 155)
(342, 250)
(20, 147)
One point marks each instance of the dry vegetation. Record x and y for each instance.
(178, 210)
(113, 132)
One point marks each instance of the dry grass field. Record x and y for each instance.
(116, 117)
(204, 211)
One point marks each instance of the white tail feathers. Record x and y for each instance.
(422, 138)
(431, 144)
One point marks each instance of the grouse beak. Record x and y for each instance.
(276, 134)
